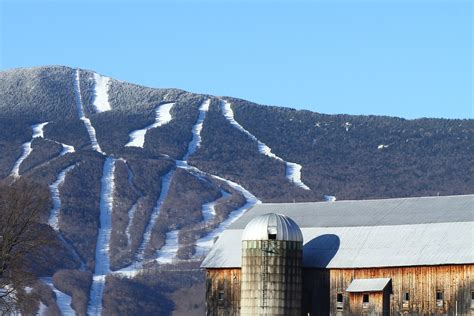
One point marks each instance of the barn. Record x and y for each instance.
(404, 256)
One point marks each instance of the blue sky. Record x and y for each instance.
(387, 57)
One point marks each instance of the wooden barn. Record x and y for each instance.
(408, 256)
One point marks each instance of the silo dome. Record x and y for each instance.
(272, 226)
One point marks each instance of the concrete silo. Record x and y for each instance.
(271, 280)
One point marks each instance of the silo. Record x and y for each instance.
(271, 280)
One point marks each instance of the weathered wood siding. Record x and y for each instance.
(455, 281)
(226, 282)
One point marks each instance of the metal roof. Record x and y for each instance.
(424, 231)
(368, 285)
(260, 227)
(418, 210)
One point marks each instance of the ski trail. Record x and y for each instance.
(66, 149)
(168, 252)
(53, 220)
(204, 244)
(37, 133)
(293, 170)
(102, 265)
(80, 111)
(62, 299)
(208, 209)
(196, 141)
(162, 117)
(131, 216)
(165, 187)
(101, 93)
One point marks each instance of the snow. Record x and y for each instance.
(329, 198)
(208, 209)
(293, 173)
(28, 289)
(169, 250)
(80, 111)
(165, 187)
(293, 170)
(382, 146)
(62, 299)
(162, 117)
(204, 244)
(102, 265)
(38, 130)
(42, 309)
(101, 95)
(97, 291)
(347, 125)
(67, 149)
(37, 133)
(106, 207)
(196, 141)
(53, 220)
(131, 215)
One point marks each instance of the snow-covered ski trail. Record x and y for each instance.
(101, 93)
(204, 244)
(165, 187)
(162, 117)
(62, 299)
(293, 170)
(53, 220)
(102, 265)
(197, 127)
(37, 133)
(208, 209)
(80, 112)
(168, 252)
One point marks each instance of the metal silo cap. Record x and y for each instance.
(272, 226)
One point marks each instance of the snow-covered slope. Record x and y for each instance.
(80, 112)
(102, 265)
(101, 95)
(37, 132)
(162, 117)
(293, 170)
(53, 220)
(62, 299)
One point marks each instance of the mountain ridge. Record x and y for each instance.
(203, 162)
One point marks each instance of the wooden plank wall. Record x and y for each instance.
(228, 282)
(422, 282)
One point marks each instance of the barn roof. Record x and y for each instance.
(368, 233)
(368, 285)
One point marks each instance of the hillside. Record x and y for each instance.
(142, 180)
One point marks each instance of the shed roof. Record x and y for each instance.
(424, 231)
(368, 285)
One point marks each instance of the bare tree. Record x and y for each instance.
(22, 204)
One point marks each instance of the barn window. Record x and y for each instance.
(365, 300)
(220, 296)
(439, 298)
(406, 300)
(272, 236)
(472, 299)
(406, 296)
(339, 302)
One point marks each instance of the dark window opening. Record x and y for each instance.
(406, 296)
(439, 296)
(220, 296)
(339, 297)
(472, 299)
(365, 298)
(272, 236)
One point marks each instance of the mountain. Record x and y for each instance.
(142, 180)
